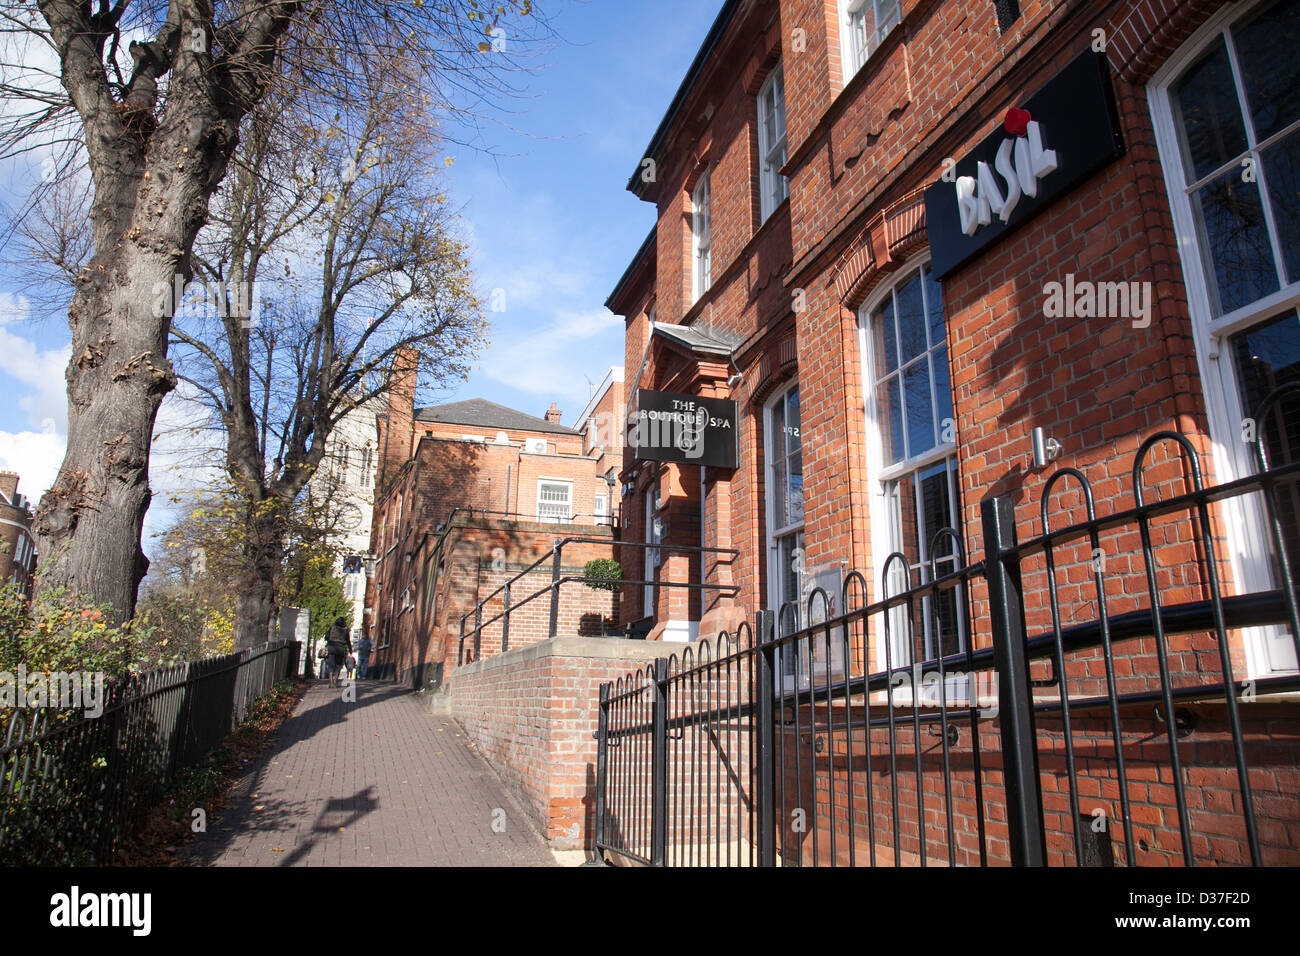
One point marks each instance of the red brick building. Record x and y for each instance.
(470, 494)
(791, 271)
(17, 543)
(903, 237)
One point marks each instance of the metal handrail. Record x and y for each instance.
(558, 580)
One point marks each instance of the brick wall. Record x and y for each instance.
(532, 712)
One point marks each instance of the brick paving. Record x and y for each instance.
(377, 782)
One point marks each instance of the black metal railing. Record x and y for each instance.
(71, 784)
(602, 520)
(510, 605)
(1025, 736)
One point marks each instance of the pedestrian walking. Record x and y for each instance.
(339, 646)
(352, 667)
(363, 657)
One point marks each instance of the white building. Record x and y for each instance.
(345, 482)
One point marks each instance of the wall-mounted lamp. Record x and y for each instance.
(1045, 449)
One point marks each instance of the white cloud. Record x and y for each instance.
(41, 370)
(182, 459)
(36, 456)
(554, 360)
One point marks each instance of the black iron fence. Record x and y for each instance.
(1074, 699)
(71, 783)
(511, 603)
(483, 514)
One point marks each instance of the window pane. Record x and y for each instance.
(858, 38)
(885, 341)
(789, 577)
(1266, 55)
(1234, 241)
(920, 411)
(794, 494)
(1281, 163)
(778, 492)
(778, 105)
(794, 431)
(908, 531)
(911, 319)
(1265, 357)
(1205, 103)
(944, 607)
(934, 305)
(778, 432)
(935, 502)
(887, 17)
(943, 397)
(889, 409)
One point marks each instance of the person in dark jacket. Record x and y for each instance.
(363, 657)
(339, 645)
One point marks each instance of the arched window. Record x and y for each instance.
(912, 449)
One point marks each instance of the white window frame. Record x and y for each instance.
(777, 534)
(883, 477)
(701, 237)
(853, 53)
(600, 506)
(567, 483)
(773, 187)
(1268, 651)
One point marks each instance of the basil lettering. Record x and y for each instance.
(979, 196)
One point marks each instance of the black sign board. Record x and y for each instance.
(684, 428)
(1040, 150)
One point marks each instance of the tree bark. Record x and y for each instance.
(257, 603)
(153, 178)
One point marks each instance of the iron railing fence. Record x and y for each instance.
(510, 605)
(71, 784)
(578, 518)
(968, 719)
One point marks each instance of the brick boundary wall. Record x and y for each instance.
(532, 712)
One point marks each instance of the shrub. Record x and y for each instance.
(603, 574)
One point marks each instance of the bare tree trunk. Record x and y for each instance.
(257, 603)
(89, 523)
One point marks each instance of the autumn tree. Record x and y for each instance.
(330, 251)
(153, 94)
(186, 601)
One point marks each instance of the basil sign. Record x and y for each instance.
(1064, 133)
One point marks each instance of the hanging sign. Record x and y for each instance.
(1062, 135)
(686, 429)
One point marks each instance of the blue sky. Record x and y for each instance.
(549, 217)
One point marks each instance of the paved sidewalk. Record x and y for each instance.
(378, 782)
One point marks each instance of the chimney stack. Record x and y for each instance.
(401, 414)
(9, 485)
(553, 414)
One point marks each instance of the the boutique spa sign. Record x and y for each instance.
(1061, 135)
